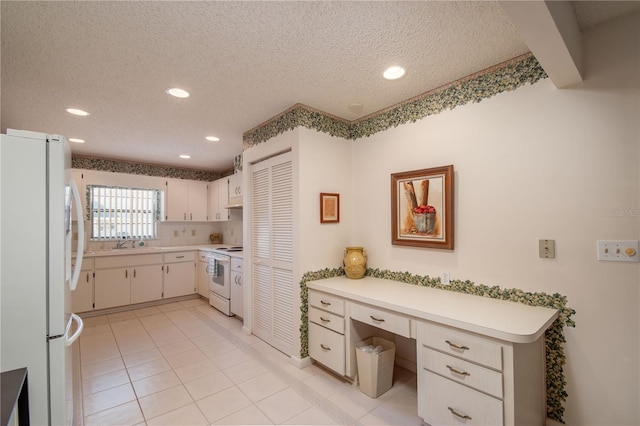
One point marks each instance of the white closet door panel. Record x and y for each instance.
(272, 251)
(262, 300)
(282, 212)
(283, 303)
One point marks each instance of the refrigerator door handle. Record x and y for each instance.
(80, 220)
(68, 341)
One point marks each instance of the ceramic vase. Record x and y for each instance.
(355, 262)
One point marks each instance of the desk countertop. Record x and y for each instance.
(504, 320)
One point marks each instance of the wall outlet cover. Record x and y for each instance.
(618, 250)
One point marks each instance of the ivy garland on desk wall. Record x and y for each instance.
(554, 336)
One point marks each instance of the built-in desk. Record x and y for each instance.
(479, 360)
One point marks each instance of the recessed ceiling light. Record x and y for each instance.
(76, 140)
(212, 138)
(393, 73)
(356, 107)
(185, 156)
(76, 111)
(178, 93)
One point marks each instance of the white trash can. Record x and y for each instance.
(375, 369)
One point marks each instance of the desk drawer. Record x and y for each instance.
(327, 347)
(461, 344)
(326, 319)
(326, 302)
(472, 375)
(380, 318)
(445, 402)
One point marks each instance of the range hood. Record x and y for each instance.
(234, 204)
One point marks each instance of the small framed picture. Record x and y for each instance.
(422, 208)
(329, 208)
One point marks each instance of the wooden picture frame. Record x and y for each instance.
(422, 208)
(329, 208)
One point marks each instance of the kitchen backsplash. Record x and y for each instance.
(183, 233)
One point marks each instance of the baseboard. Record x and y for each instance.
(300, 362)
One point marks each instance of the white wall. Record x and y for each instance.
(531, 164)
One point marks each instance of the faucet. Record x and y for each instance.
(120, 244)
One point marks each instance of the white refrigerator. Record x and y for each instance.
(36, 278)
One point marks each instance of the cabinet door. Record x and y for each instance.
(198, 201)
(179, 279)
(112, 287)
(146, 283)
(236, 294)
(223, 198)
(203, 279)
(82, 296)
(218, 199)
(177, 199)
(235, 185)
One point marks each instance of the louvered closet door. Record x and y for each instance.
(272, 242)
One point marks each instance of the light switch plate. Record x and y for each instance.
(618, 250)
(547, 249)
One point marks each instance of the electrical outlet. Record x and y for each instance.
(618, 250)
(193, 232)
(175, 234)
(445, 278)
(547, 249)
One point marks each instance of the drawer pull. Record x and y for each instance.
(462, 416)
(376, 319)
(179, 257)
(324, 319)
(325, 303)
(454, 346)
(325, 347)
(460, 373)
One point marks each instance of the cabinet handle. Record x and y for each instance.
(134, 273)
(324, 347)
(185, 216)
(87, 277)
(462, 416)
(377, 319)
(454, 346)
(461, 373)
(324, 319)
(126, 273)
(167, 269)
(325, 303)
(190, 216)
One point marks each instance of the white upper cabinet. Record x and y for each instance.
(186, 201)
(235, 189)
(218, 200)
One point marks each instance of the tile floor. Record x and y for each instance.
(185, 363)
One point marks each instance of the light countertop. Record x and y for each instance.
(504, 320)
(168, 249)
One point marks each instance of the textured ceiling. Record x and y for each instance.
(243, 62)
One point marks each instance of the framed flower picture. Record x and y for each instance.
(422, 208)
(329, 208)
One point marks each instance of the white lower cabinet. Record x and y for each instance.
(236, 301)
(203, 274)
(82, 296)
(146, 283)
(112, 287)
(326, 330)
(466, 378)
(179, 274)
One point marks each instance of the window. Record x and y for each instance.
(118, 213)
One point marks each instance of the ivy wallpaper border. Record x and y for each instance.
(130, 167)
(503, 77)
(554, 336)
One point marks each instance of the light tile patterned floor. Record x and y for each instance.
(185, 363)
